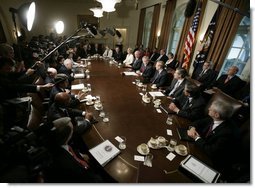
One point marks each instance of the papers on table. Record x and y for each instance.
(77, 76)
(77, 87)
(156, 94)
(130, 74)
(200, 170)
(104, 152)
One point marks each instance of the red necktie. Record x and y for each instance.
(82, 162)
(209, 130)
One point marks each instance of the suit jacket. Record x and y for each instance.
(172, 64)
(65, 169)
(207, 79)
(231, 87)
(148, 73)
(160, 79)
(56, 112)
(154, 57)
(178, 91)
(67, 72)
(11, 88)
(136, 65)
(221, 144)
(164, 58)
(55, 90)
(193, 110)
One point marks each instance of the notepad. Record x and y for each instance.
(77, 87)
(199, 170)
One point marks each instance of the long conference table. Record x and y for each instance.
(130, 117)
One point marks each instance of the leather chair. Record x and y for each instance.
(223, 97)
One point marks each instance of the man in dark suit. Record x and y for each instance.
(190, 104)
(207, 76)
(61, 84)
(160, 77)
(118, 55)
(229, 83)
(60, 108)
(177, 85)
(162, 56)
(66, 69)
(137, 63)
(69, 165)
(217, 136)
(146, 70)
(154, 56)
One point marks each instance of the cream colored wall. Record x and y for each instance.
(49, 11)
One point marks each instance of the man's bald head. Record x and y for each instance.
(62, 99)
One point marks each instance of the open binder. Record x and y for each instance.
(198, 171)
(104, 152)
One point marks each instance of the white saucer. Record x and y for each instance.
(146, 101)
(154, 87)
(141, 152)
(89, 103)
(176, 149)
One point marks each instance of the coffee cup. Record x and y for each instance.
(144, 148)
(153, 142)
(161, 140)
(182, 149)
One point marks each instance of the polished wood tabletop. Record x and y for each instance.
(130, 117)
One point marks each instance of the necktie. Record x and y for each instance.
(186, 104)
(201, 74)
(227, 79)
(142, 68)
(82, 162)
(209, 130)
(155, 77)
(175, 87)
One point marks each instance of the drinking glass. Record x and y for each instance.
(169, 120)
(144, 87)
(122, 143)
(89, 87)
(172, 144)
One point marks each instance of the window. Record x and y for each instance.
(240, 51)
(177, 29)
(147, 26)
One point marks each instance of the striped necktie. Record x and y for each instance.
(82, 162)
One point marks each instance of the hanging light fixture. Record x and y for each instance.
(98, 12)
(109, 5)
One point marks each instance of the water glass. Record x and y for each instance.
(169, 120)
(89, 87)
(172, 144)
(122, 143)
(144, 87)
(102, 114)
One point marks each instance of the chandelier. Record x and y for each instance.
(98, 12)
(109, 5)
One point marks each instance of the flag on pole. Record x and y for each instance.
(206, 44)
(191, 37)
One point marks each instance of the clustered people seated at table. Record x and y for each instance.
(50, 82)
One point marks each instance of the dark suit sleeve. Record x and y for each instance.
(162, 80)
(137, 65)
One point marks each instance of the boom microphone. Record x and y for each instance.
(190, 8)
(92, 30)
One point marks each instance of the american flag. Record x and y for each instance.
(191, 37)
